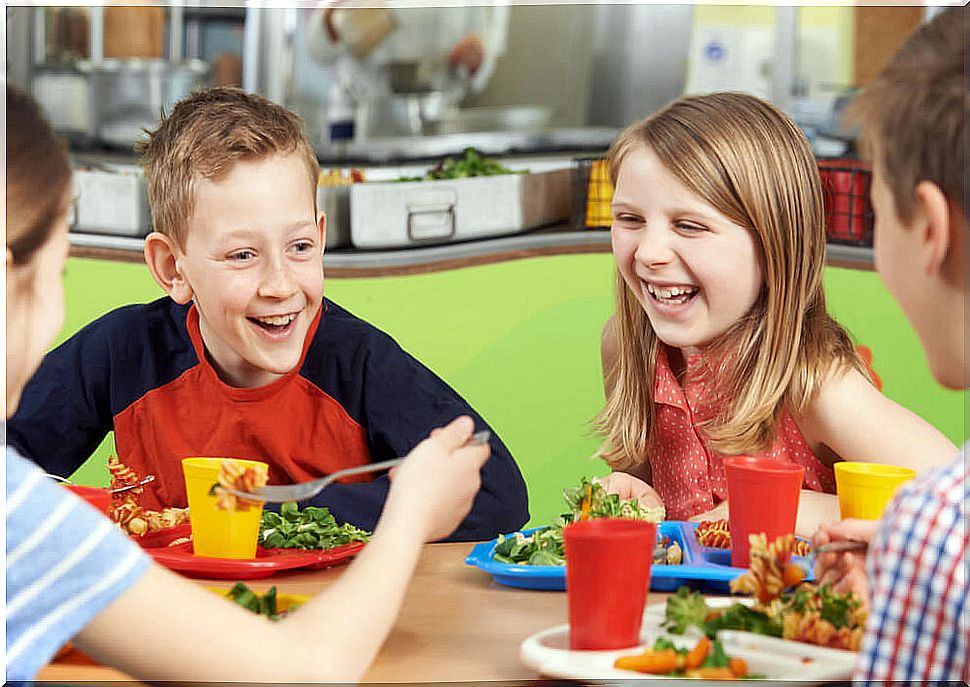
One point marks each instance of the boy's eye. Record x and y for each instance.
(302, 247)
(242, 255)
(625, 218)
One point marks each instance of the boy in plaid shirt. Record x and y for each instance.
(914, 131)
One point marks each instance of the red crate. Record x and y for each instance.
(848, 211)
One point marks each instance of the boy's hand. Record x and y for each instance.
(627, 486)
(435, 486)
(844, 570)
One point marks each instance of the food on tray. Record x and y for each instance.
(668, 552)
(334, 177)
(310, 528)
(128, 513)
(588, 500)
(714, 534)
(706, 660)
(473, 164)
(233, 475)
(810, 614)
(261, 604)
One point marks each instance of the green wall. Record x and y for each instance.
(520, 341)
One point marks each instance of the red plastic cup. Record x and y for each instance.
(762, 497)
(607, 578)
(98, 497)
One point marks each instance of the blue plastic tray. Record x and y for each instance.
(703, 567)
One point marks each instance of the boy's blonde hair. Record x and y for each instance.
(917, 106)
(204, 136)
(750, 162)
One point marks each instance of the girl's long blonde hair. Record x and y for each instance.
(750, 162)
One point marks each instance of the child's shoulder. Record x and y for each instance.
(340, 331)
(139, 320)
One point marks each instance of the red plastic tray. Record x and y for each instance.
(267, 562)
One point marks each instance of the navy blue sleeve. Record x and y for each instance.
(400, 401)
(69, 405)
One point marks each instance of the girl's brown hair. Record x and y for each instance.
(38, 176)
(746, 159)
(204, 136)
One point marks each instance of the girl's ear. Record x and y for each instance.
(934, 226)
(162, 258)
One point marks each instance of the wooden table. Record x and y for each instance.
(456, 624)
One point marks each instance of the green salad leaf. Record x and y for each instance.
(471, 164)
(545, 546)
(310, 528)
(261, 604)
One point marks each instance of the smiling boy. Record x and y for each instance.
(245, 358)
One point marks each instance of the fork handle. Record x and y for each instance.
(370, 467)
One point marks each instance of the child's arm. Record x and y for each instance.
(851, 418)
(815, 509)
(165, 628)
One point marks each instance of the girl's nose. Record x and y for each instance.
(654, 248)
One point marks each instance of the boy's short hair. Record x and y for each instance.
(204, 135)
(916, 109)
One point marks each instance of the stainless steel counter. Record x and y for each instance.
(350, 262)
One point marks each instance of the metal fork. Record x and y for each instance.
(304, 490)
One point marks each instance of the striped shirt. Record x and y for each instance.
(918, 617)
(65, 563)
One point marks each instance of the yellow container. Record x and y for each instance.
(864, 489)
(219, 533)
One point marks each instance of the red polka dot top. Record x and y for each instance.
(687, 474)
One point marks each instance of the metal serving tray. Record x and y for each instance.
(704, 568)
(406, 213)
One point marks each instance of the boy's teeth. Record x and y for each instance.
(277, 320)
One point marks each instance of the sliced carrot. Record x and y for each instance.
(696, 656)
(652, 662)
(738, 666)
(584, 508)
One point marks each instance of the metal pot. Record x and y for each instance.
(130, 95)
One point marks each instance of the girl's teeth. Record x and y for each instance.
(675, 293)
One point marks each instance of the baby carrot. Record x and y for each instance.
(737, 666)
(696, 656)
(652, 662)
(713, 674)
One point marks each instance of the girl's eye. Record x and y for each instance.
(625, 218)
(690, 228)
(242, 256)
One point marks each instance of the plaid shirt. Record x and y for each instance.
(918, 614)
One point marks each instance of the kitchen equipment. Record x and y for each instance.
(404, 114)
(334, 202)
(849, 217)
(304, 490)
(526, 118)
(395, 214)
(64, 94)
(129, 96)
(112, 199)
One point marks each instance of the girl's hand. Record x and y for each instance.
(845, 570)
(719, 512)
(629, 487)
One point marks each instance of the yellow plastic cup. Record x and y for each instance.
(864, 489)
(219, 533)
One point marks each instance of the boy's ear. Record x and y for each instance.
(934, 224)
(162, 258)
(322, 225)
